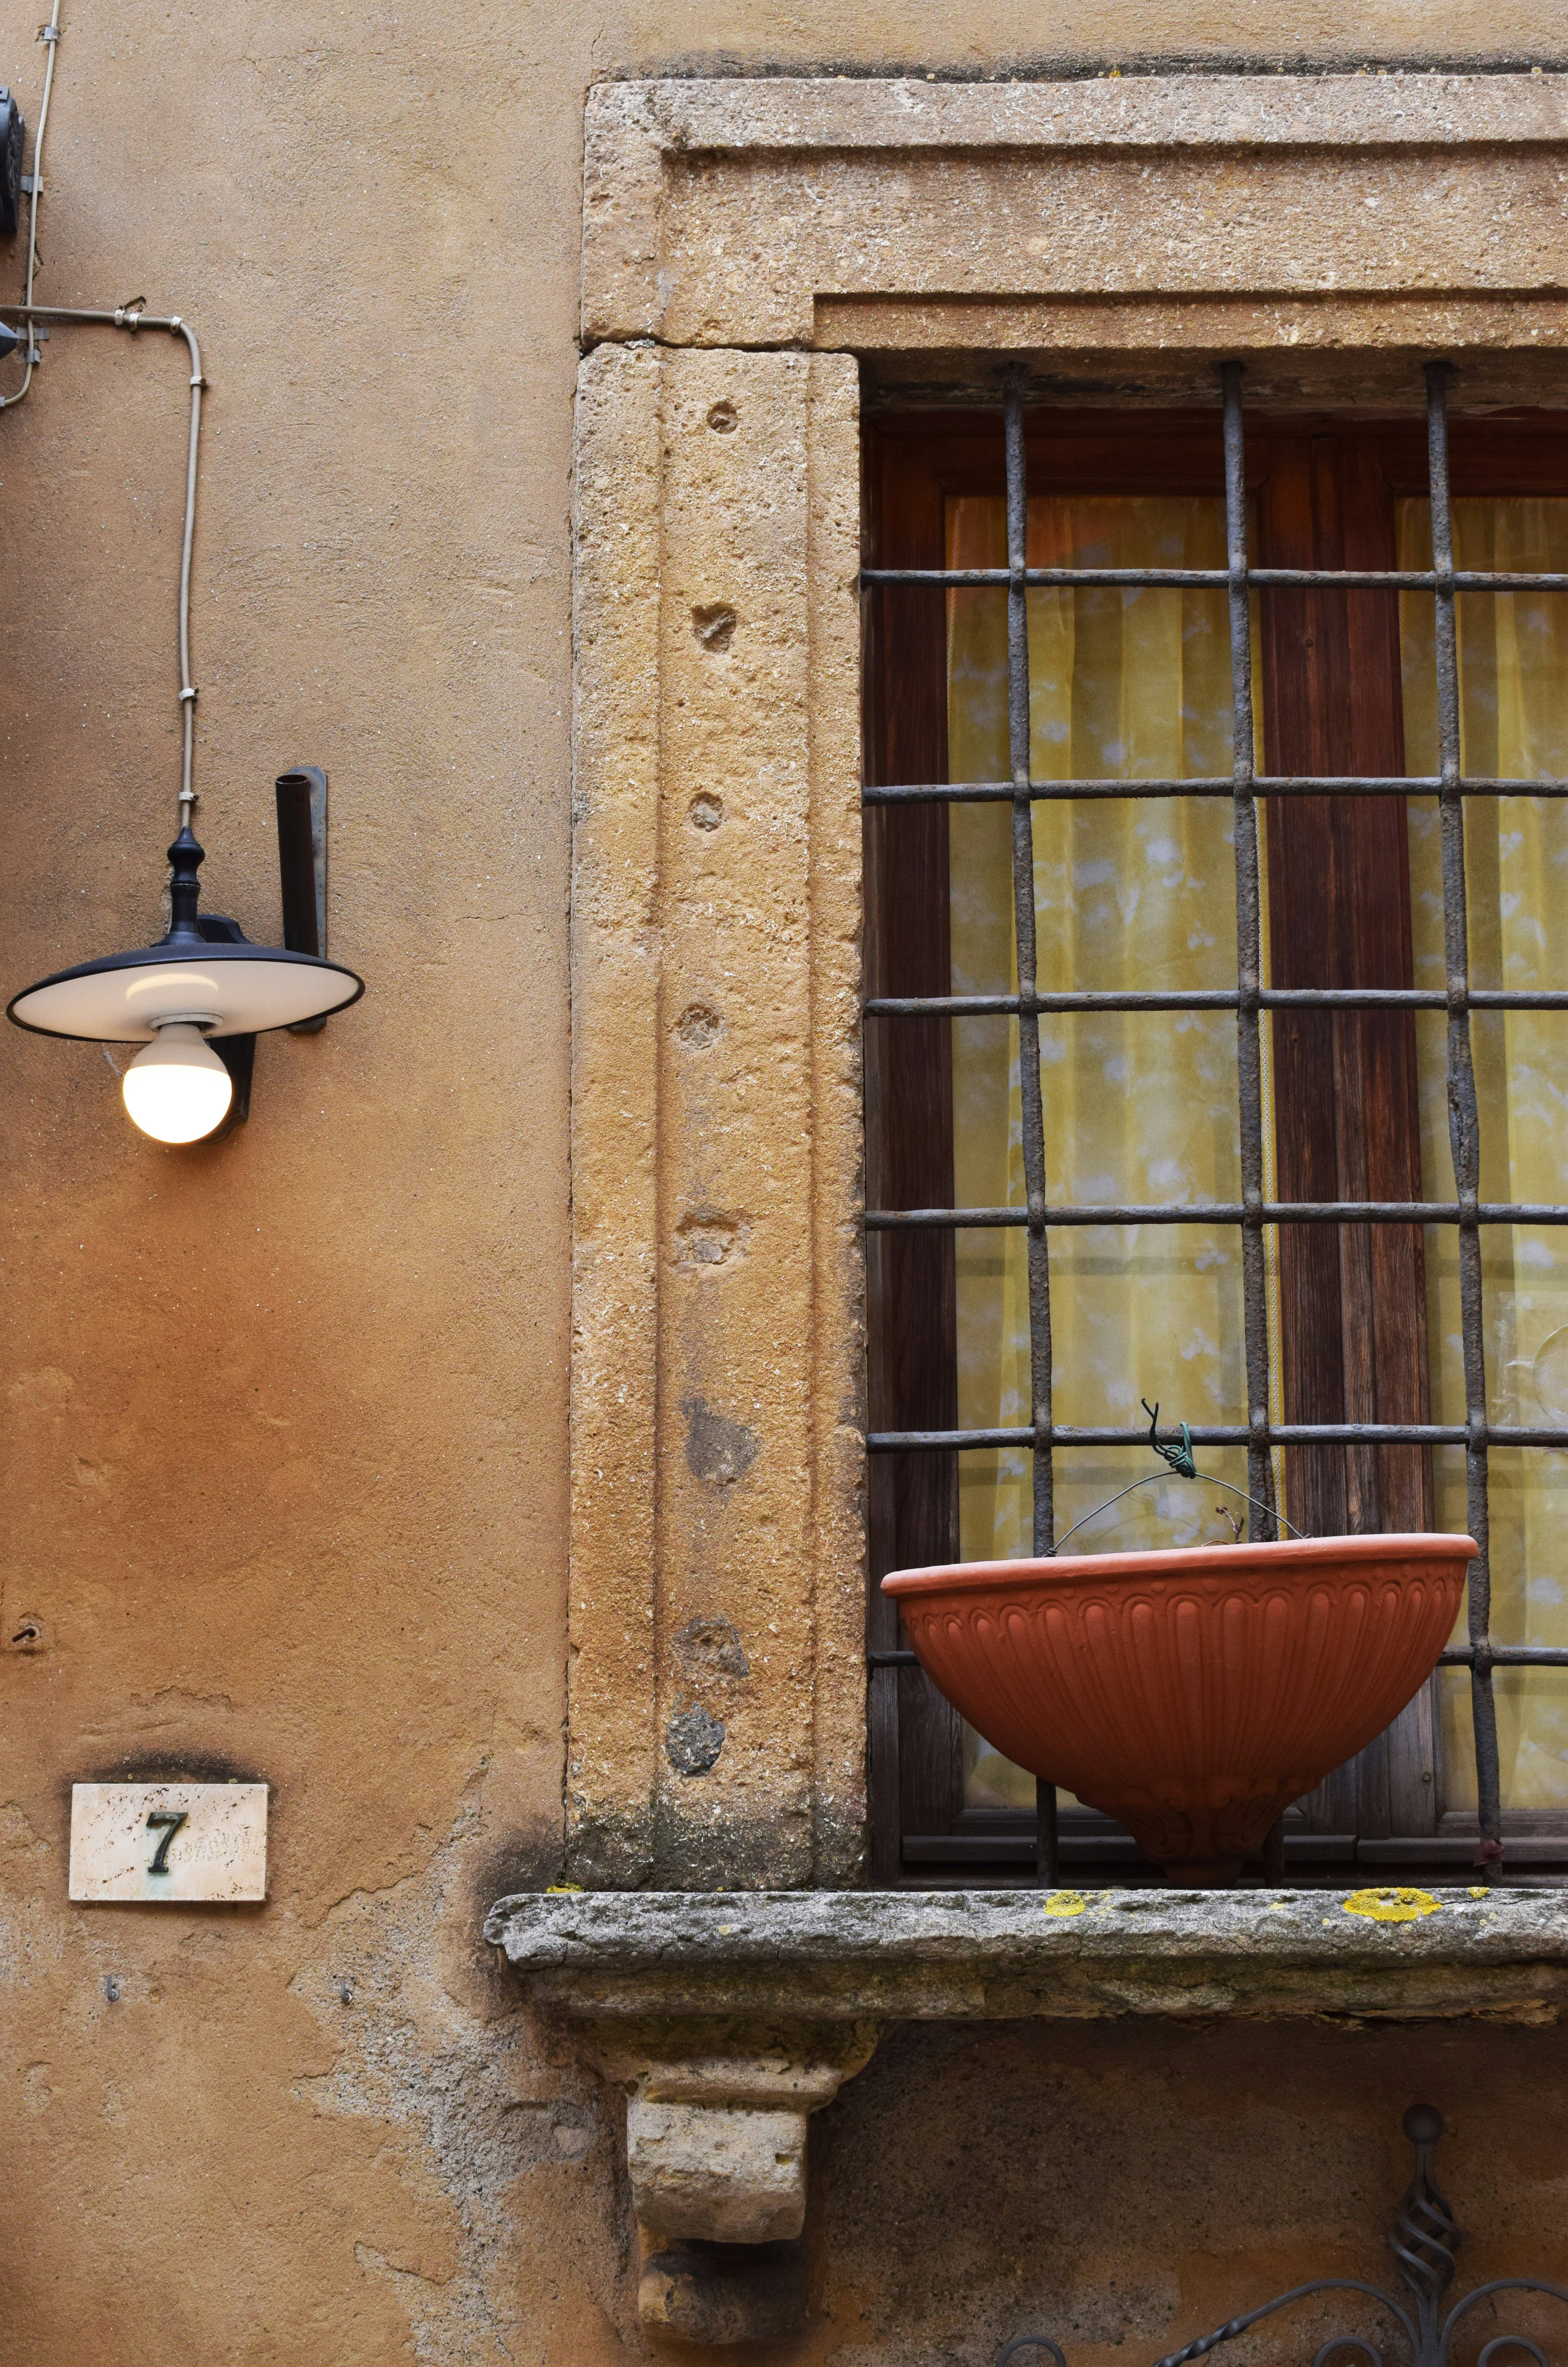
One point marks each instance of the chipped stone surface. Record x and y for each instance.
(1006, 1954)
(705, 2294)
(692, 1740)
(727, 2176)
(710, 1649)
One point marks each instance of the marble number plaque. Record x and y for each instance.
(174, 1842)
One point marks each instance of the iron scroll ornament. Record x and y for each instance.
(1425, 2240)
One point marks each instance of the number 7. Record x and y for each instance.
(173, 1820)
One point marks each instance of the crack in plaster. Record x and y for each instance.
(417, 2056)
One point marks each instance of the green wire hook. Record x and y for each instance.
(1179, 1458)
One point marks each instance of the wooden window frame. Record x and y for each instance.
(1322, 491)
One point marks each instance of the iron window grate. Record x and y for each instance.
(1249, 999)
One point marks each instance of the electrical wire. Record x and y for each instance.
(133, 319)
(49, 35)
(130, 318)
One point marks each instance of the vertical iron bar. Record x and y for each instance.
(1048, 1847)
(1464, 1117)
(1033, 1126)
(1046, 1856)
(1249, 966)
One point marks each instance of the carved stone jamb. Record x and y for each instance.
(716, 2118)
(716, 1685)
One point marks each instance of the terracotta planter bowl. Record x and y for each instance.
(1190, 1695)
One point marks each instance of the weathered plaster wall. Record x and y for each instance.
(285, 1473)
(1125, 2188)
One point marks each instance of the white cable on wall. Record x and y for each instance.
(133, 319)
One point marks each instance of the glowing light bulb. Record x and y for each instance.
(177, 1089)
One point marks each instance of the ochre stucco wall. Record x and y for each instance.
(287, 1443)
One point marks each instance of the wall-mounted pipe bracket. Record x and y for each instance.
(303, 867)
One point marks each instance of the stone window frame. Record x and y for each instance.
(751, 250)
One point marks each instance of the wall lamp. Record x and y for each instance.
(197, 999)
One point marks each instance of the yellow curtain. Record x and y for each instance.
(1514, 724)
(1133, 684)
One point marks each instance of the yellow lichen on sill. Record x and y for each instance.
(1391, 1905)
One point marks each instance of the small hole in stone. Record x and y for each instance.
(706, 811)
(721, 419)
(714, 627)
(698, 1025)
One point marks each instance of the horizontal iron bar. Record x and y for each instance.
(1213, 784)
(1278, 1434)
(1213, 998)
(1109, 1848)
(1019, 1849)
(1216, 579)
(1504, 1656)
(1415, 1850)
(1224, 1212)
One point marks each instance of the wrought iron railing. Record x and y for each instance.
(1425, 2240)
(1249, 999)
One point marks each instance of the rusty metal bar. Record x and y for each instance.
(1464, 1116)
(1033, 1113)
(1265, 785)
(1216, 579)
(1220, 1433)
(1249, 967)
(1215, 998)
(1452, 1655)
(1047, 1854)
(1502, 1655)
(1226, 1212)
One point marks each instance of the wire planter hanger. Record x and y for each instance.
(1425, 2240)
(1181, 1462)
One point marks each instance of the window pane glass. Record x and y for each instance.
(1514, 725)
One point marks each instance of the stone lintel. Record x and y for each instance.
(787, 114)
(825, 1956)
(729, 212)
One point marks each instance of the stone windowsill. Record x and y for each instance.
(728, 2018)
(892, 1955)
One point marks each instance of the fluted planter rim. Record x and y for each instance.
(1177, 1560)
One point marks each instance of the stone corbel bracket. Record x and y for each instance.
(730, 2018)
(716, 2120)
(716, 2116)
